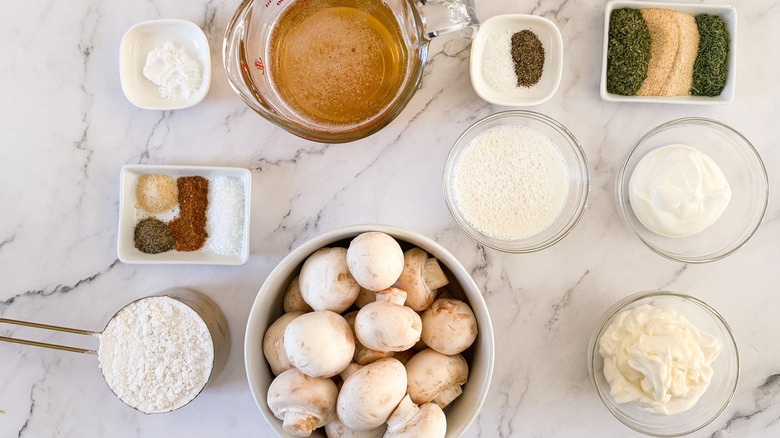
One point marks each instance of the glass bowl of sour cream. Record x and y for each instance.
(516, 181)
(664, 363)
(693, 190)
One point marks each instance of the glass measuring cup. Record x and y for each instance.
(204, 307)
(249, 60)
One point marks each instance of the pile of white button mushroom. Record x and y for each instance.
(386, 369)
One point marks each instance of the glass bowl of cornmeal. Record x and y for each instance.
(517, 181)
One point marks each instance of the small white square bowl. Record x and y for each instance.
(129, 216)
(551, 40)
(727, 13)
(139, 40)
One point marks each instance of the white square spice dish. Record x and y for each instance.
(729, 16)
(130, 214)
(139, 40)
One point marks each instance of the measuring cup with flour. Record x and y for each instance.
(156, 353)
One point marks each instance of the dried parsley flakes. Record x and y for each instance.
(628, 51)
(711, 67)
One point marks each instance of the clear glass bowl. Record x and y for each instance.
(741, 165)
(725, 367)
(576, 166)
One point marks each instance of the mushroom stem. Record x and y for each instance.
(392, 295)
(447, 395)
(433, 274)
(299, 422)
(403, 414)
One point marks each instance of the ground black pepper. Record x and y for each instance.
(528, 57)
(152, 236)
(189, 228)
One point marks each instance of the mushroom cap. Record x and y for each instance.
(319, 343)
(412, 421)
(370, 394)
(336, 429)
(325, 280)
(432, 375)
(363, 355)
(364, 297)
(293, 300)
(449, 326)
(304, 403)
(273, 343)
(375, 260)
(420, 278)
(385, 326)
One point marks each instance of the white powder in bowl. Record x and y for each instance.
(156, 354)
(172, 69)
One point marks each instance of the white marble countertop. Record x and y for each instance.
(67, 129)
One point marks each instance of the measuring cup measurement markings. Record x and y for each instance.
(203, 308)
(306, 81)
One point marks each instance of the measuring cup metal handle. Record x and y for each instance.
(47, 327)
(443, 16)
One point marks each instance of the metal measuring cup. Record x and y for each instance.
(204, 307)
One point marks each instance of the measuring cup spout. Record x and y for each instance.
(443, 16)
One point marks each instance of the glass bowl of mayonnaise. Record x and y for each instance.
(664, 363)
(693, 190)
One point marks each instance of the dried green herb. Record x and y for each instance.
(628, 51)
(152, 236)
(711, 67)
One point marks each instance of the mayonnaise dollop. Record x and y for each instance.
(678, 191)
(655, 358)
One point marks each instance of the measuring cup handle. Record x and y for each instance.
(443, 16)
(47, 327)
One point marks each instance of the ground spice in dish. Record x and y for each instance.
(528, 57)
(156, 193)
(711, 67)
(189, 228)
(628, 51)
(152, 236)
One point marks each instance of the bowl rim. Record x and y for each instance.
(620, 195)
(623, 304)
(584, 193)
(300, 253)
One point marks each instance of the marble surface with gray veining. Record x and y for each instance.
(66, 129)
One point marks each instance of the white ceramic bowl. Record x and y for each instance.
(727, 13)
(268, 307)
(129, 215)
(725, 367)
(551, 40)
(144, 37)
(744, 171)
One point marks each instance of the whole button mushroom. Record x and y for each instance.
(370, 394)
(386, 324)
(363, 355)
(293, 300)
(449, 326)
(320, 343)
(435, 377)
(304, 403)
(375, 260)
(273, 343)
(421, 277)
(325, 280)
(412, 421)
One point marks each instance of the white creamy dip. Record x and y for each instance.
(655, 358)
(678, 191)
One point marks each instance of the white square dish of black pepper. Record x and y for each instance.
(184, 215)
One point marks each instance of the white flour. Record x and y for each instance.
(156, 354)
(171, 68)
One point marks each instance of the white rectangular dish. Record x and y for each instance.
(130, 214)
(727, 13)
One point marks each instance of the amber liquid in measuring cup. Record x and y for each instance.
(337, 63)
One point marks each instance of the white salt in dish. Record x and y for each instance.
(491, 32)
(144, 37)
(129, 216)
